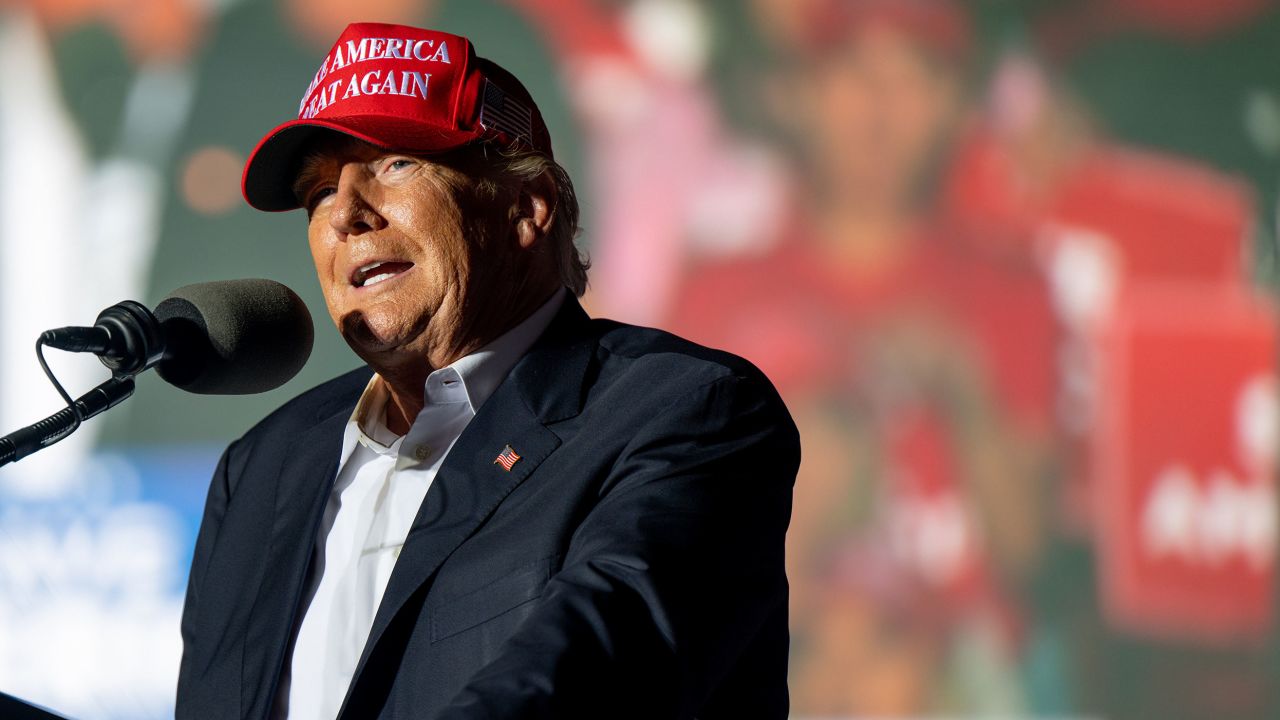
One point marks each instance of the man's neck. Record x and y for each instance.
(405, 385)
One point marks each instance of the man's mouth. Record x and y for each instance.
(377, 272)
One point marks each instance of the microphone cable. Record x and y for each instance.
(76, 412)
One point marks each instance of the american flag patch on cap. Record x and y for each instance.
(503, 113)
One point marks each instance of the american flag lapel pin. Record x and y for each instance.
(507, 458)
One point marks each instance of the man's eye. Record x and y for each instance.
(399, 164)
(320, 194)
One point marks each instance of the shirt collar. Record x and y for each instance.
(484, 370)
(470, 379)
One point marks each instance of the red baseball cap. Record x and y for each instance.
(401, 88)
(943, 25)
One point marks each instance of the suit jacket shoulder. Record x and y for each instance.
(672, 368)
(635, 342)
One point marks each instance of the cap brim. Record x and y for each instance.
(273, 165)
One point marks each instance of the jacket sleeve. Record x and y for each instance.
(670, 576)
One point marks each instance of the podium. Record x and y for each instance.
(11, 708)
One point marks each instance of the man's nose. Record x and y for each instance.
(353, 211)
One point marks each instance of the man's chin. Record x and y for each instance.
(378, 345)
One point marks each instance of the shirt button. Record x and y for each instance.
(422, 452)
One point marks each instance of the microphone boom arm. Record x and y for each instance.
(21, 443)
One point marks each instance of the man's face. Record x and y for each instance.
(882, 105)
(400, 244)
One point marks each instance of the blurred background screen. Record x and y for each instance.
(1012, 265)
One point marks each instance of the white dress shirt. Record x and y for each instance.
(382, 480)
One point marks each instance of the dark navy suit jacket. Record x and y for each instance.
(629, 565)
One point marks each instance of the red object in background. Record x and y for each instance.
(1141, 218)
(577, 29)
(940, 24)
(1070, 29)
(1188, 18)
(1169, 219)
(1186, 440)
(1111, 218)
(931, 534)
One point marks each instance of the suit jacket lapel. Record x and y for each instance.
(469, 486)
(546, 385)
(302, 489)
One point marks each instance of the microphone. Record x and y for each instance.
(231, 337)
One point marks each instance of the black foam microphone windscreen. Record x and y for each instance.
(233, 337)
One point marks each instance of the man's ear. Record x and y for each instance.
(535, 210)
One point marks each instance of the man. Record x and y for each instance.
(514, 511)
(902, 341)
